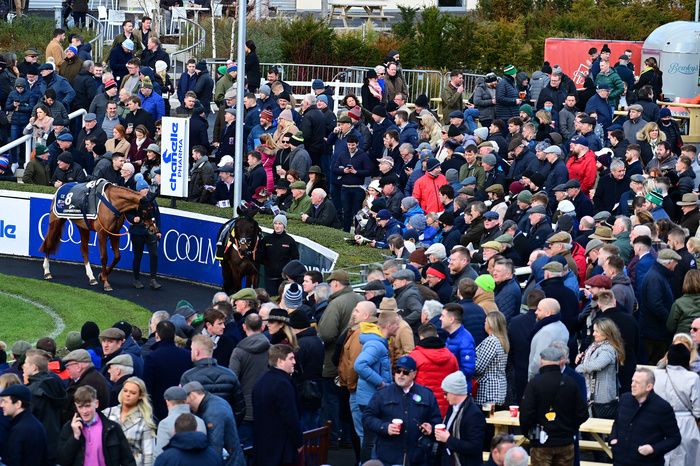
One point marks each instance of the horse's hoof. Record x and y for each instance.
(48, 276)
(108, 287)
(93, 282)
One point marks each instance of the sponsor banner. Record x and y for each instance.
(186, 249)
(14, 226)
(174, 165)
(572, 55)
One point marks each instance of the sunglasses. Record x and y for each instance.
(401, 371)
(694, 329)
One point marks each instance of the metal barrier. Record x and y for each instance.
(97, 42)
(28, 140)
(191, 42)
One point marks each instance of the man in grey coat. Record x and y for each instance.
(548, 329)
(176, 399)
(408, 298)
(249, 362)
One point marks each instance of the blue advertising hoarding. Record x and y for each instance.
(186, 249)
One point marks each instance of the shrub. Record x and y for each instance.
(307, 40)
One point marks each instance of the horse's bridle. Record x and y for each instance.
(243, 242)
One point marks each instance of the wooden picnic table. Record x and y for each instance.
(502, 422)
(362, 9)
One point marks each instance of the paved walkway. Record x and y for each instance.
(74, 275)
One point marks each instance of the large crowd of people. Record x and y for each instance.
(522, 171)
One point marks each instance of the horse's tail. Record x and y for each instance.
(53, 237)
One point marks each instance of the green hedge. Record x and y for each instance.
(497, 33)
(32, 32)
(349, 255)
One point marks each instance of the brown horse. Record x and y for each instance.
(110, 218)
(242, 257)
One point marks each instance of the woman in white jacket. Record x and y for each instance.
(681, 388)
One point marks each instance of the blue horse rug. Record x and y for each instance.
(79, 200)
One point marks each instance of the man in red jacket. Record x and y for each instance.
(434, 362)
(581, 163)
(427, 187)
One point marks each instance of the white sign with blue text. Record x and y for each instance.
(14, 226)
(174, 165)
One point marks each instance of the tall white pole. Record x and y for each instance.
(238, 175)
(697, 8)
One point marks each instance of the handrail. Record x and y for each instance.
(98, 41)
(28, 140)
(195, 39)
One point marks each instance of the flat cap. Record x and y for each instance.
(247, 294)
(79, 355)
(122, 360)
(560, 237)
(600, 281)
(669, 254)
(113, 334)
(538, 209)
(553, 266)
(175, 394)
(193, 386)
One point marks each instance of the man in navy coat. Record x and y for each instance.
(277, 435)
(645, 428)
(164, 366)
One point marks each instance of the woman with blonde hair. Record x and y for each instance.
(648, 138)
(491, 359)
(683, 339)
(134, 414)
(432, 130)
(599, 365)
(285, 124)
(686, 308)
(280, 331)
(544, 124)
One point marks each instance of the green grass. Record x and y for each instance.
(349, 255)
(22, 312)
(75, 306)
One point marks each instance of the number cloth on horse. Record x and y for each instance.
(80, 200)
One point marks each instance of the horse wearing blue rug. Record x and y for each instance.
(97, 206)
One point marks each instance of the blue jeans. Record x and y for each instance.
(356, 417)
(245, 433)
(310, 419)
(352, 202)
(16, 133)
(368, 442)
(336, 197)
(330, 406)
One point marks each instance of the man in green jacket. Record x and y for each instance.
(37, 170)
(301, 201)
(610, 77)
(334, 321)
(452, 95)
(224, 84)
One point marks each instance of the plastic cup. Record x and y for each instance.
(522, 94)
(486, 409)
(514, 410)
(440, 427)
(398, 423)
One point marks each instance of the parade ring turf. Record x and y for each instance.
(31, 309)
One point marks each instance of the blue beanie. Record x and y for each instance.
(141, 183)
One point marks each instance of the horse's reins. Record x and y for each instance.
(236, 247)
(116, 214)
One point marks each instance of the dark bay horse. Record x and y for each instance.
(107, 224)
(242, 257)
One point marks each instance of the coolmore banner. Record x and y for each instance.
(174, 165)
(186, 249)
